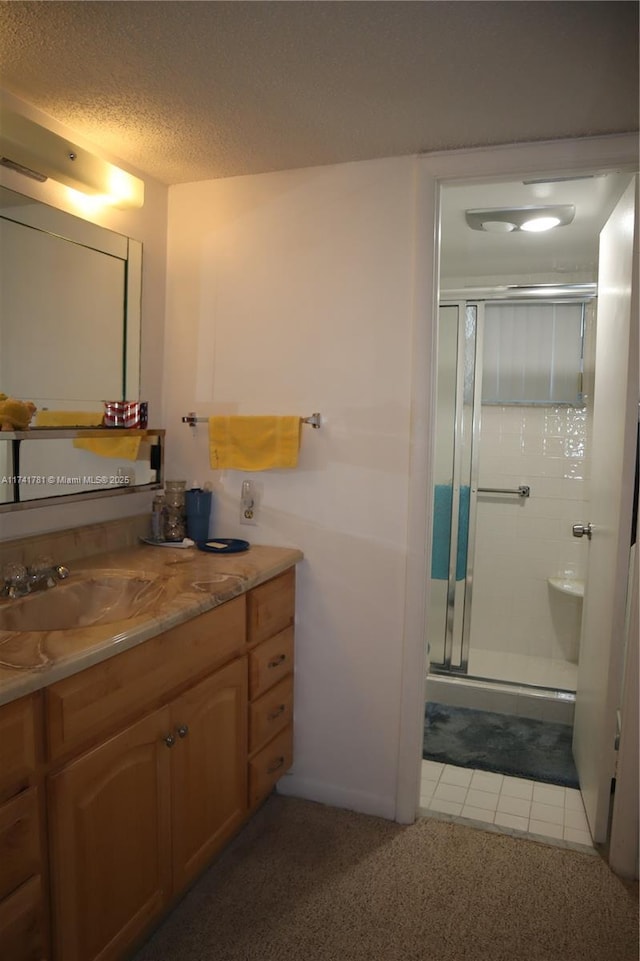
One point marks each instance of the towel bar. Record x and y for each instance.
(192, 419)
(523, 491)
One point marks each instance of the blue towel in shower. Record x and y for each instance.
(463, 534)
(442, 500)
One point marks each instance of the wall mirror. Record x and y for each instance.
(69, 308)
(70, 317)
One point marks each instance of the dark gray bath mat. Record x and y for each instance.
(501, 743)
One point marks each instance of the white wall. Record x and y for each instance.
(149, 225)
(292, 293)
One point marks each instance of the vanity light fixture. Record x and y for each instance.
(39, 153)
(533, 219)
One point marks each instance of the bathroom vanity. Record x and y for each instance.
(133, 751)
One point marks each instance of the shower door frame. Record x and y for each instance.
(452, 664)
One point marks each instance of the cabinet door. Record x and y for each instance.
(111, 846)
(209, 768)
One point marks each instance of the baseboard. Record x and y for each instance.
(335, 796)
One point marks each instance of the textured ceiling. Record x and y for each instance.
(196, 90)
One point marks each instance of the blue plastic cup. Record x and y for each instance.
(198, 511)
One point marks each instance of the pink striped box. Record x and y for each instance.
(125, 413)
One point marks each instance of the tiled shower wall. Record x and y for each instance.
(520, 543)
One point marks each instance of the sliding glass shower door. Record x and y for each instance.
(511, 466)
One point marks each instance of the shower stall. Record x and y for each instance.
(511, 478)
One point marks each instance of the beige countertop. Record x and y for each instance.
(185, 582)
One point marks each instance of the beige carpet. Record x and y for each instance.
(305, 882)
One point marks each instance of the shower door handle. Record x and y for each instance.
(583, 530)
(523, 491)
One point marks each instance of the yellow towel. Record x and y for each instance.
(68, 418)
(124, 447)
(253, 443)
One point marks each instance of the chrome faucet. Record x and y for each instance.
(18, 580)
(15, 580)
(43, 574)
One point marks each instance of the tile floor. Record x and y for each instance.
(543, 810)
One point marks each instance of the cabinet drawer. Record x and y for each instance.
(92, 704)
(270, 662)
(269, 765)
(270, 714)
(19, 841)
(271, 607)
(21, 924)
(19, 750)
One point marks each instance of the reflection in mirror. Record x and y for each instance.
(52, 327)
(70, 313)
(71, 463)
(69, 308)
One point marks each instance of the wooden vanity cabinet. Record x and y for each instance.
(23, 913)
(270, 637)
(153, 760)
(136, 817)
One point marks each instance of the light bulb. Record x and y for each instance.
(498, 226)
(538, 224)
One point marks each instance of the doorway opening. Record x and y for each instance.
(515, 378)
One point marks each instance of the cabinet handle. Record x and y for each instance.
(169, 740)
(274, 714)
(277, 763)
(183, 730)
(274, 662)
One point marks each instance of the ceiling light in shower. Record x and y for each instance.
(498, 226)
(532, 219)
(538, 224)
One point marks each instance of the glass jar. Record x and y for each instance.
(157, 518)
(174, 517)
